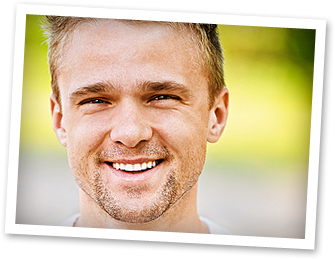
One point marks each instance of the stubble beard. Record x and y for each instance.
(132, 210)
(134, 213)
(128, 208)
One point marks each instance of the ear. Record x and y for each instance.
(57, 120)
(218, 116)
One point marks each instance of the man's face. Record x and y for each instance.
(135, 116)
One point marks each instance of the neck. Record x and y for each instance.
(181, 217)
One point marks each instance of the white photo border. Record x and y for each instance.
(308, 243)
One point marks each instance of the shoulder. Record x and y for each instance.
(69, 222)
(215, 228)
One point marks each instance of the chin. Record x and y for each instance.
(135, 206)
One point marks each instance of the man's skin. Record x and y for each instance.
(135, 96)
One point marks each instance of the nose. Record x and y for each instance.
(130, 125)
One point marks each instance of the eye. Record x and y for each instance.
(93, 101)
(96, 101)
(164, 97)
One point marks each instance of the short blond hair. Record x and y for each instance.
(58, 31)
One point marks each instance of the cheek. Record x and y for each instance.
(84, 141)
(182, 129)
(188, 144)
(86, 134)
(184, 134)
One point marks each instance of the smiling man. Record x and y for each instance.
(135, 103)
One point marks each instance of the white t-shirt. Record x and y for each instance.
(213, 227)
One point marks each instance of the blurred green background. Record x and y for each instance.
(257, 172)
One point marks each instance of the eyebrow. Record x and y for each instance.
(145, 86)
(99, 87)
(149, 86)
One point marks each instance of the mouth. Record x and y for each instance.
(136, 167)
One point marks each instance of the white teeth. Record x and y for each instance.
(137, 167)
(149, 164)
(134, 167)
(116, 166)
(129, 167)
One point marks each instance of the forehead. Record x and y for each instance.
(128, 50)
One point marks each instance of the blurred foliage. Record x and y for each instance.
(269, 73)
